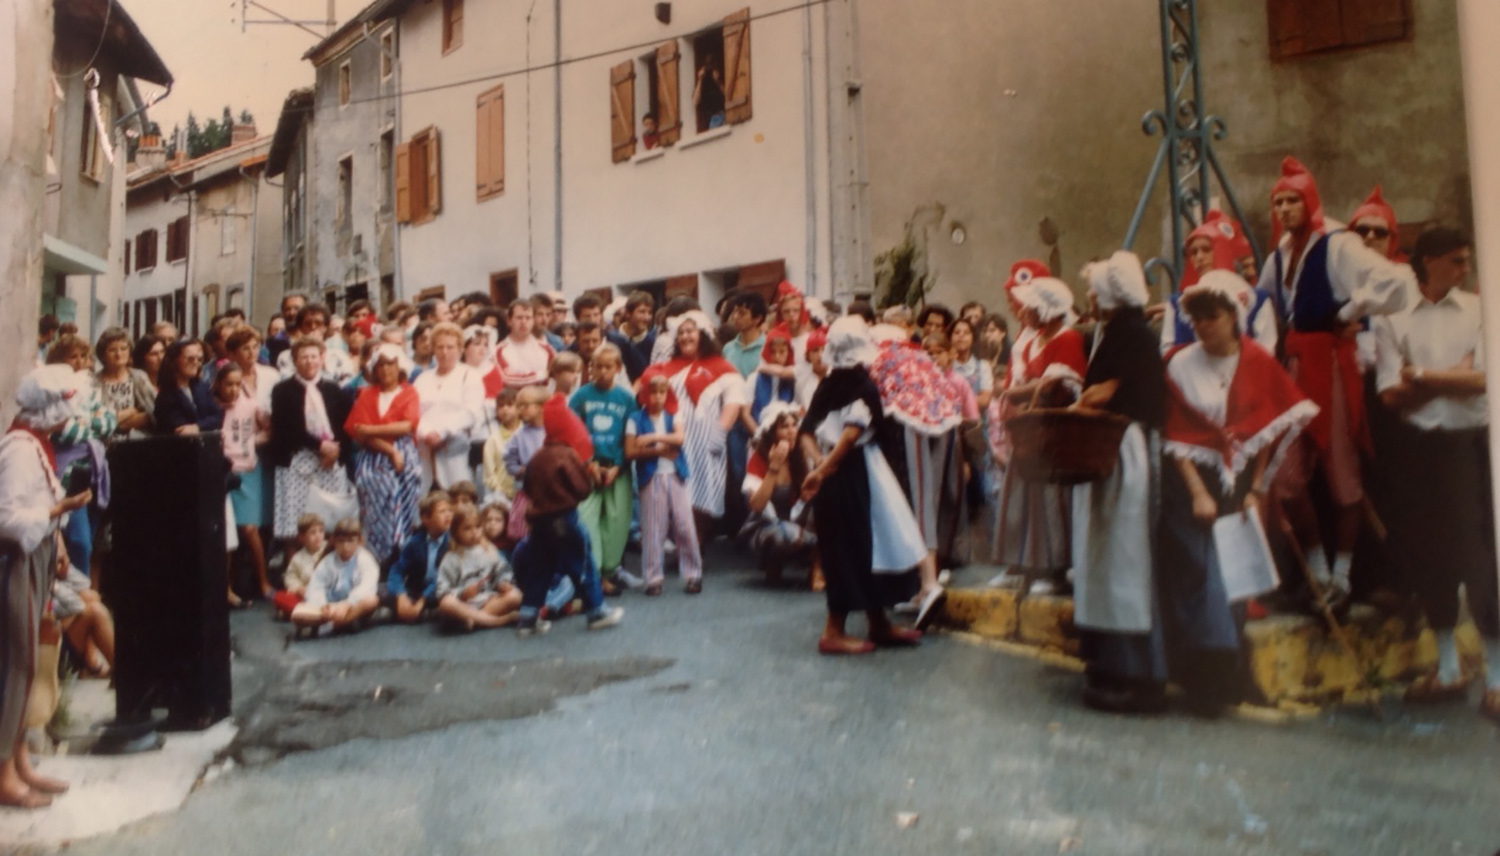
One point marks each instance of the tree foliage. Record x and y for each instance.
(200, 139)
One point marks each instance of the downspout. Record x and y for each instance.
(557, 151)
(150, 102)
(254, 235)
(809, 152)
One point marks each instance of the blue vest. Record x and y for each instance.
(645, 468)
(1313, 308)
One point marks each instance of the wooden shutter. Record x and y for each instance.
(489, 123)
(403, 182)
(434, 173)
(453, 24)
(1303, 26)
(622, 110)
(127, 257)
(668, 102)
(737, 67)
(1368, 22)
(182, 240)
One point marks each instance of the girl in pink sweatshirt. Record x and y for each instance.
(241, 422)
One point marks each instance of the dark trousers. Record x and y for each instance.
(1443, 530)
(556, 544)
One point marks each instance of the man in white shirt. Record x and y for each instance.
(1430, 370)
(523, 358)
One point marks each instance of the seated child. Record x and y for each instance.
(557, 482)
(473, 586)
(661, 471)
(344, 590)
(299, 567)
(464, 495)
(411, 585)
(498, 482)
(85, 620)
(495, 520)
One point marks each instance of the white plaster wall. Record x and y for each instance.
(738, 199)
(470, 239)
(25, 89)
(211, 266)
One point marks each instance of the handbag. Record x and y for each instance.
(332, 506)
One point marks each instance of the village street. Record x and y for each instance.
(709, 725)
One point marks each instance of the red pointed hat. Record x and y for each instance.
(1376, 206)
(1296, 178)
(1228, 241)
(1024, 271)
(785, 289)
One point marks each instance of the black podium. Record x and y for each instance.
(165, 581)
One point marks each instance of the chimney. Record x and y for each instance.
(151, 153)
(241, 134)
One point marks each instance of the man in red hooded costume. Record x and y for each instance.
(1324, 281)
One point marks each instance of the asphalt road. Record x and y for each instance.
(708, 725)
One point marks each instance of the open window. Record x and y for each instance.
(721, 73)
(659, 91)
(344, 83)
(419, 178)
(342, 214)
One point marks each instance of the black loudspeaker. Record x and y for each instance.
(165, 580)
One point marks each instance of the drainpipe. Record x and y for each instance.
(557, 151)
(254, 235)
(150, 102)
(809, 151)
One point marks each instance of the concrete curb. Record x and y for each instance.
(1296, 664)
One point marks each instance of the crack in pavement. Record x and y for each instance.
(321, 704)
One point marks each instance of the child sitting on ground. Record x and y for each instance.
(498, 482)
(473, 586)
(495, 520)
(299, 568)
(465, 496)
(655, 444)
(412, 582)
(344, 590)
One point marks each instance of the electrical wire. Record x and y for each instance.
(530, 69)
(109, 7)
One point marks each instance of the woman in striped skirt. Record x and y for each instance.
(387, 468)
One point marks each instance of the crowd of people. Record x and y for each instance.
(486, 466)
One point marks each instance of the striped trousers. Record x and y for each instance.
(665, 507)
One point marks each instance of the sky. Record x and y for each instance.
(214, 63)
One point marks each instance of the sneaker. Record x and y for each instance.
(944, 577)
(631, 581)
(1042, 588)
(608, 618)
(534, 627)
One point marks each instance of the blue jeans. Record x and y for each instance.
(78, 538)
(557, 544)
(736, 509)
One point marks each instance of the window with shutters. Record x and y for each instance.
(344, 84)
(1302, 27)
(387, 54)
(453, 25)
(622, 110)
(489, 144)
(419, 176)
(387, 171)
(657, 91)
(92, 159)
(145, 250)
(177, 239)
(721, 73)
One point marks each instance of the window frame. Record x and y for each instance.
(178, 240)
(345, 84)
(387, 46)
(453, 26)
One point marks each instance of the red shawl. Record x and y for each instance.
(1263, 408)
(1066, 348)
(701, 373)
(366, 410)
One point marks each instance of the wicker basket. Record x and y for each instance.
(1063, 446)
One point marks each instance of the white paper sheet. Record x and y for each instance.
(1244, 556)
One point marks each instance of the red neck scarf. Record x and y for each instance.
(1262, 406)
(701, 373)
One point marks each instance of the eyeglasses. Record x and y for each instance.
(1376, 231)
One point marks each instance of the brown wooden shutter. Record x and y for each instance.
(127, 257)
(453, 25)
(403, 183)
(434, 173)
(489, 178)
(686, 284)
(622, 110)
(1372, 21)
(1303, 26)
(737, 67)
(668, 102)
(182, 241)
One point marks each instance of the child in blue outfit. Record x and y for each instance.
(412, 582)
